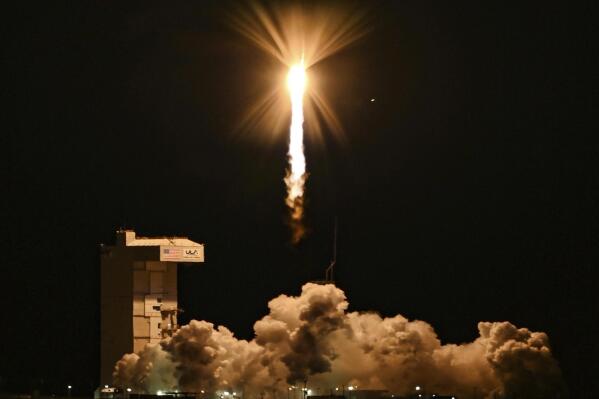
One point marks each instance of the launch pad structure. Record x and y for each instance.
(138, 293)
(329, 273)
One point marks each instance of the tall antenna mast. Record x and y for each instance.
(329, 273)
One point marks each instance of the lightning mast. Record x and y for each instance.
(329, 276)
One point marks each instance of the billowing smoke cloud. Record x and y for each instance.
(313, 338)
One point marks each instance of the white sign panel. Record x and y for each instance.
(181, 254)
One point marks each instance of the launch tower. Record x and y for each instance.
(139, 293)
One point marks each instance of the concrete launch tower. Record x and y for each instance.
(139, 293)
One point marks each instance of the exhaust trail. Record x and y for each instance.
(296, 174)
(299, 36)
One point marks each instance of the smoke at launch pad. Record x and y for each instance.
(312, 337)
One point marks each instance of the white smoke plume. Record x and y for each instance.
(313, 338)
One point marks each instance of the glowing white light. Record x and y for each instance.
(297, 82)
(309, 391)
(69, 386)
(350, 388)
(296, 79)
(128, 389)
(105, 386)
(202, 391)
(336, 388)
(418, 387)
(159, 393)
(226, 393)
(296, 176)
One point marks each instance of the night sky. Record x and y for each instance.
(466, 192)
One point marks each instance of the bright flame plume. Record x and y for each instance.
(296, 175)
(308, 33)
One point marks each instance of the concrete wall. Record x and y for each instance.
(117, 305)
(154, 290)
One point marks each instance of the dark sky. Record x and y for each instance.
(467, 191)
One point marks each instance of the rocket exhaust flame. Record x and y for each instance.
(309, 32)
(296, 174)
